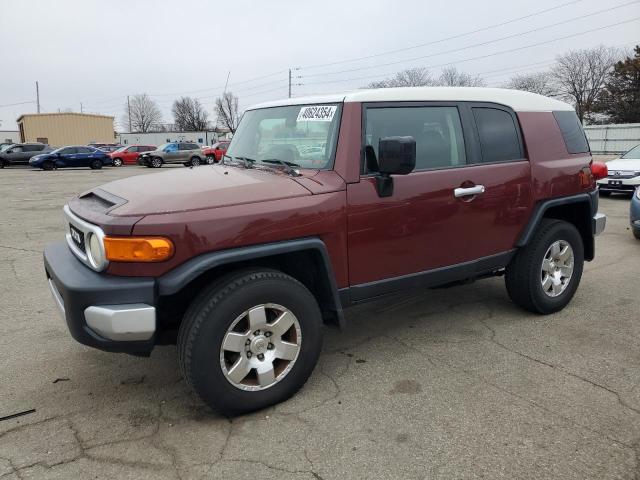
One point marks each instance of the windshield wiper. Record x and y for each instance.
(246, 162)
(288, 166)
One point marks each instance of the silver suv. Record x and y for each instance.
(20, 153)
(188, 153)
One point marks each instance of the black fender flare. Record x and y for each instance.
(173, 281)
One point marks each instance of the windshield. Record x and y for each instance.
(634, 153)
(121, 149)
(164, 145)
(304, 135)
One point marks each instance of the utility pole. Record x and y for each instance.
(81, 108)
(289, 83)
(38, 96)
(129, 113)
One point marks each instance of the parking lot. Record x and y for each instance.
(450, 383)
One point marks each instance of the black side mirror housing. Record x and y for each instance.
(396, 156)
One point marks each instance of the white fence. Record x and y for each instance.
(605, 139)
(158, 138)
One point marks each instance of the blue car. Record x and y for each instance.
(75, 156)
(635, 214)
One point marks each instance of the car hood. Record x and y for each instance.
(197, 188)
(621, 164)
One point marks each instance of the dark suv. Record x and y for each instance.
(21, 153)
(320, 204)
(188, 153)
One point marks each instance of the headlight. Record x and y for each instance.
(95, 251)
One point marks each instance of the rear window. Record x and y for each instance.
(499, 139)
(572, 132)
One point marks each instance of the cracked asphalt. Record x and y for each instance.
(454, 383)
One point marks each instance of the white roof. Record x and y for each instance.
(518, 100)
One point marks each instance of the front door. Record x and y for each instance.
(463, 201)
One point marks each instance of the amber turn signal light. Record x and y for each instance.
(138, 249)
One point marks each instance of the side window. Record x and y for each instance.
(84, 150)
(182, 146)
(133, 149)
(572, 132)
(30, 148)
(498, 133)
(17, 150)
(193, 146)
(436, 130)
(68, 150)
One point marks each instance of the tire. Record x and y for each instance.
(1, 164)
(95, 164)
(526, 273)
(210, 160)
(194, 162)
(227, 302)
(117, 162)
(47, 165)
(605, 193)
(156, 162)
(636, 233)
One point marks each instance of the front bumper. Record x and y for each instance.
(619, 184)
(598, 222)
(116, 314)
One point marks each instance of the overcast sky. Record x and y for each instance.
(97, 52)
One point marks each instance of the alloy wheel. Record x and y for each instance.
(557, 268)
(260, 347)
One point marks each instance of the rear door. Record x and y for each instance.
(465, 201)
(66, 157)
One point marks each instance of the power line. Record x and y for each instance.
(16, 104)
(488, 27)
(488, 42)
(584, 32)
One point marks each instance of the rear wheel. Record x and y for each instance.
(544, 275)
(636, 233)
(156, 162)
(1, 163)
(95, 164)
(195, 161)
(211, 160)
(250, 341)
(47, 165)
(117, 162)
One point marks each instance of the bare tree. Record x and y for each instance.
(226, 110)
(412, 77)
(189, 115)
(142, 113)
(580, 76)
(538, 82)
(451, 77)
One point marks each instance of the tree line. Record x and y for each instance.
(602, 83)
(142, 114)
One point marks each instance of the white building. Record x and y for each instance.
(158, 138)
(7, 136)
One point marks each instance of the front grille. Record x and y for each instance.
(78, 236)
(615, 174)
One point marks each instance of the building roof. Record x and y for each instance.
(518, 100)
(63, 114)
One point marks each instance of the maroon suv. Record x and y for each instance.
(322, 203)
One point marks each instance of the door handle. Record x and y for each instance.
(466, 192)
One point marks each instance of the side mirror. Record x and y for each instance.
(396, 156)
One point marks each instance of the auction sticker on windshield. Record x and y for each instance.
(317, 113)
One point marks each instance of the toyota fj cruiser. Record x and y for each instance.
(321, 203)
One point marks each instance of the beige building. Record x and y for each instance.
(60, 129)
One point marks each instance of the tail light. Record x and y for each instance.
(599, 170)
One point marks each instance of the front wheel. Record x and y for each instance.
(156, 162)
(210, 159)
(96, 164)
(544, 275)
(47, 165)
(195, 161)
(1, 164)
(636, 233)
(117, 162)
(249, 341)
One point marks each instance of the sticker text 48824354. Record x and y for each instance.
(317, 113)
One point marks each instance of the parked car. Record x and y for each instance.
(240, 264)
(187, 153)
(21, 153)
(128, 155)
(215, 152)
(635, 214)
(74, 156)
(624, 174)
(3, 145)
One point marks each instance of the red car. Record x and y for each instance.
(215, 152)
(128, 155)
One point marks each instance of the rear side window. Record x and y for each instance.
(498, 133)
(572, 132)
(436, 130)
